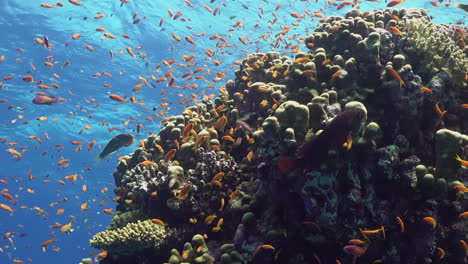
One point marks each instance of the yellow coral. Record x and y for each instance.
(131, 238)
(435, 49)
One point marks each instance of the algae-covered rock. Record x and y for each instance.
(368, 49)
(371, 133)
(294, 115)
(195, 252)
(448, 143)
(132, 238)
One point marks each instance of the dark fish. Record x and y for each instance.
(46, 41)
(314, 153)
(463, 7)
(122, 140)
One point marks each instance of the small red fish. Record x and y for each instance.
(44, 100)
(395, 2)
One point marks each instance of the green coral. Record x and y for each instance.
(371, 134)
(294, 115)
(195, 252)
(317, 112)
(131, 238)
(368, 49)
(447, 145)
(229, 255)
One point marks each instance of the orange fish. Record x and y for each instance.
(396, 75)
(218, 176)
(14, 152)
(190, 40)
(66, 227)
(426, 90)
(209, 219)
(395, 30)
(440, 251)
(62, 161)
(200, 140)
(130, 51)
(170, 154)
(184, 192)
(220, 123)
(357, 241)
(338, 73)
(463, 162)
(45, 5)
(147, 163)
(28, 78)
(262, 247)
(402, 225)
(460, 188)
(8, 196)
(84, 206)
(157, 221)
(440, 114)
(46, 243)
(395, 2)
(6, 207)
(75, 2)
(188, 128)
(108, 211)
(174, 36)
(301, 60)
(117, 98)
(431, 221)
(89, 47)
(101, 255)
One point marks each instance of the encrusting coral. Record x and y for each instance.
(347, 150)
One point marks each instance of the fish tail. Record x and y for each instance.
(99, 157)
(287, 164)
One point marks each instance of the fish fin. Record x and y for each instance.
(349, 142)
(306, 147)
(287, 164)
(99, 159)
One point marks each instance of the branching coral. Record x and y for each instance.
(131, 238)
(434, 50)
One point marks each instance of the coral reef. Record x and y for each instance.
(346, 151)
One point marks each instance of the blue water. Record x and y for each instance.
(22, 21)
